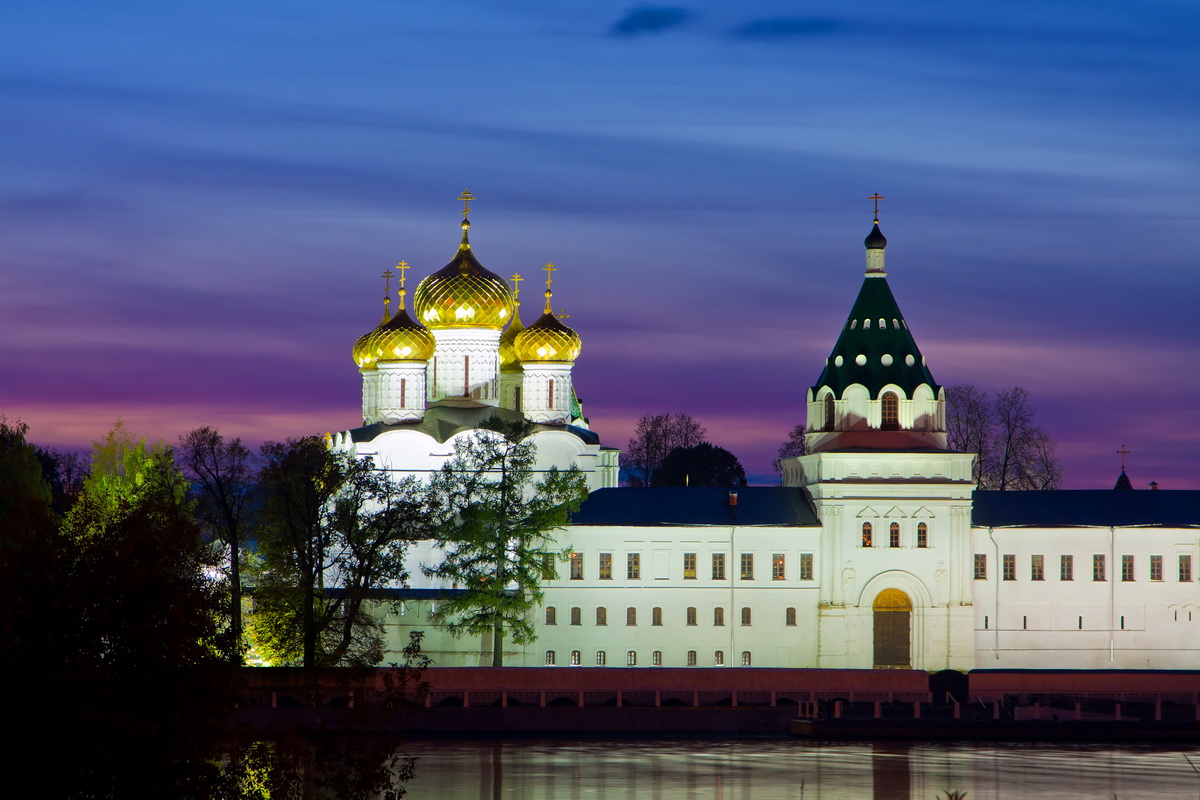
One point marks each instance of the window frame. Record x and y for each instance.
(1099, 568)
(605, 567)
(633, 566)
(576, 566)
(747, 567)
(778, 566)
(689, 566)
(806, 566)
(1008, 567)
(718, 567)
(1066, 567)
(1037, 567)
(981, 569)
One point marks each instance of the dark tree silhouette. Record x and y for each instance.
(655, 436)
(701, 465)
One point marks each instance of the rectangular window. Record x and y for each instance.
(1185, 568)
(601, 616)
(689, 566)
(745, 658)
(789, 617)
(691, 615)
(606, 566)
(656, 616)
(719, 658)
(1037, 568)
(747, 566)
(549, 658)
(576, 566)
(601, 658)
(1126, 568)
(894, 535)
(631, 658)
(576, 616)
(1156, 569)
(922, 535)
(981, 566)
(1066, 568)
(633, 566)
(691, 658)
(574, 658)
(1009, 567)
(631, 616)
(718, 566)
(806, 566)
(551, 615)
(777, 570)
(718, 617)
(656, 658)
(1098, 567)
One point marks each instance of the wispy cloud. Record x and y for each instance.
(651, 19)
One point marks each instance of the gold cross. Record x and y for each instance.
(550, 270)
(1123, 452)
(387, 293)
(516, 279)
(466, 197)
(403, 267)
(562, 314)
(877, 197)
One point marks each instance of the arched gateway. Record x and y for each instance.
(893, 630)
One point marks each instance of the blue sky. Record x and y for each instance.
(197, 200)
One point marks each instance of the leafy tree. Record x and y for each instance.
(333, 530)
(1011, 451)
(655, 436)
(494, 524)
(222, 480)
(792, 446)
(700, 465)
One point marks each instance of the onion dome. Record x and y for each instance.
(463, 294)
(875, 239)
(508, 355)
(547, 339)
(362, 352)
(401, 338)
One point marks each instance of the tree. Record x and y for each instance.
(1011, 451)
(655, 436)
(221, 476)
(494, 525)
(700, 465)
(792, 446)
(333, 531)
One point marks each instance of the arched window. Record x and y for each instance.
(551, 615)
(866, 539)
(576, 616)
(550, 394)
(866, 324)
(719, 658)
(691, 615)
(656, 658)
(830, 413)
(574, 658)
(922, 535)
(718, 616)
(656, 616)
(745, 658)
(549, 658)
(631, 616)
(890, 411)
(691, 658)
(631, 658)
(601, 658)
(746, 615)
(790, 617)
(894, 535)
(601, 616)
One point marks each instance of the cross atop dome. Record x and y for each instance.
(877, 197)
(466, 197)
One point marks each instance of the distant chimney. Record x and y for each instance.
(733, 498)
(1154, 486)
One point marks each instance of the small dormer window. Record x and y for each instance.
(853, 324)
(882, 324)
(896, 324)
(890, 411)
(866, 324)
(830, 413)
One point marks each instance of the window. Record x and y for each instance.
(1126, 568)
(746, 615)
(631, 616)
(1037, 568)
(691, 658)
(656, 658)
(601, 658)
(633, 566)
(1098, 567)
(466, 376)
(689, 566)
(922, 535)
(550, 566)
(404, 392)
(517, 399)
(719, 658)
(806, 566)
(631, 658)
(789, 617)
(718, 617)
(1066, 568)
(745, 658)
(981, 566)
(894, 535)
(606, 566)
(601, 616)
(718, 566)
(1009, 567)
(550, 394)
(574, 658)
(747, 566)
(830, 413)
(691, 615)
(576, 616)
(1185, 568)
(656, 616)
(1156, 570)
(551, 615)
(777, 570)
(890, 411)
(549, 658)
(867, 531)
(576, 566)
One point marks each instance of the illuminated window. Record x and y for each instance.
(633, 566)
(746, 615)
(656, 616)
(1126, 568)
(656, 658)
(689, 566)
(549, 658)
(922, 535)
(806, 566)
(745, 658)
(981, 566)
(1156, 568)
(575, 658)
(718, 616)
(894, 535)
(830, 413)
(1009, 567)
(867, 532)
(601, 616)
(576, 616)
(551, 615)
(719, 658)
(576, 566)
(890, 410)
(606, 566)
(718, 566)
(1185, 568)
(691, 615)
(789, 617)
(1098, 567)
(777, 571)
(691, 658)
(631, 658)
(631, 616)
(601, 658)
(747, 566)
(1066, 568)
(1037, 568)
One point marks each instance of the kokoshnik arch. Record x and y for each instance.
(876, 551)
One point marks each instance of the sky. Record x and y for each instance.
(197, 200)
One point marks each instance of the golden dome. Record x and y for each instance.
(508, 356)
(401, 339)
(463, 294)
(547, 339)
(363, 353)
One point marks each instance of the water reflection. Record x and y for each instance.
(785, 768)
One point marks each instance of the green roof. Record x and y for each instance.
(864, 335)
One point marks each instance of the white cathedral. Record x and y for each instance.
(877, 551)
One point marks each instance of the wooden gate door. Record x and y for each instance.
(893, 630)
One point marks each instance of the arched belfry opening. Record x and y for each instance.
(893, 630)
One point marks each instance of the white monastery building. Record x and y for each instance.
(877, 550)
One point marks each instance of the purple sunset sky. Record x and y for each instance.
(198, 198)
